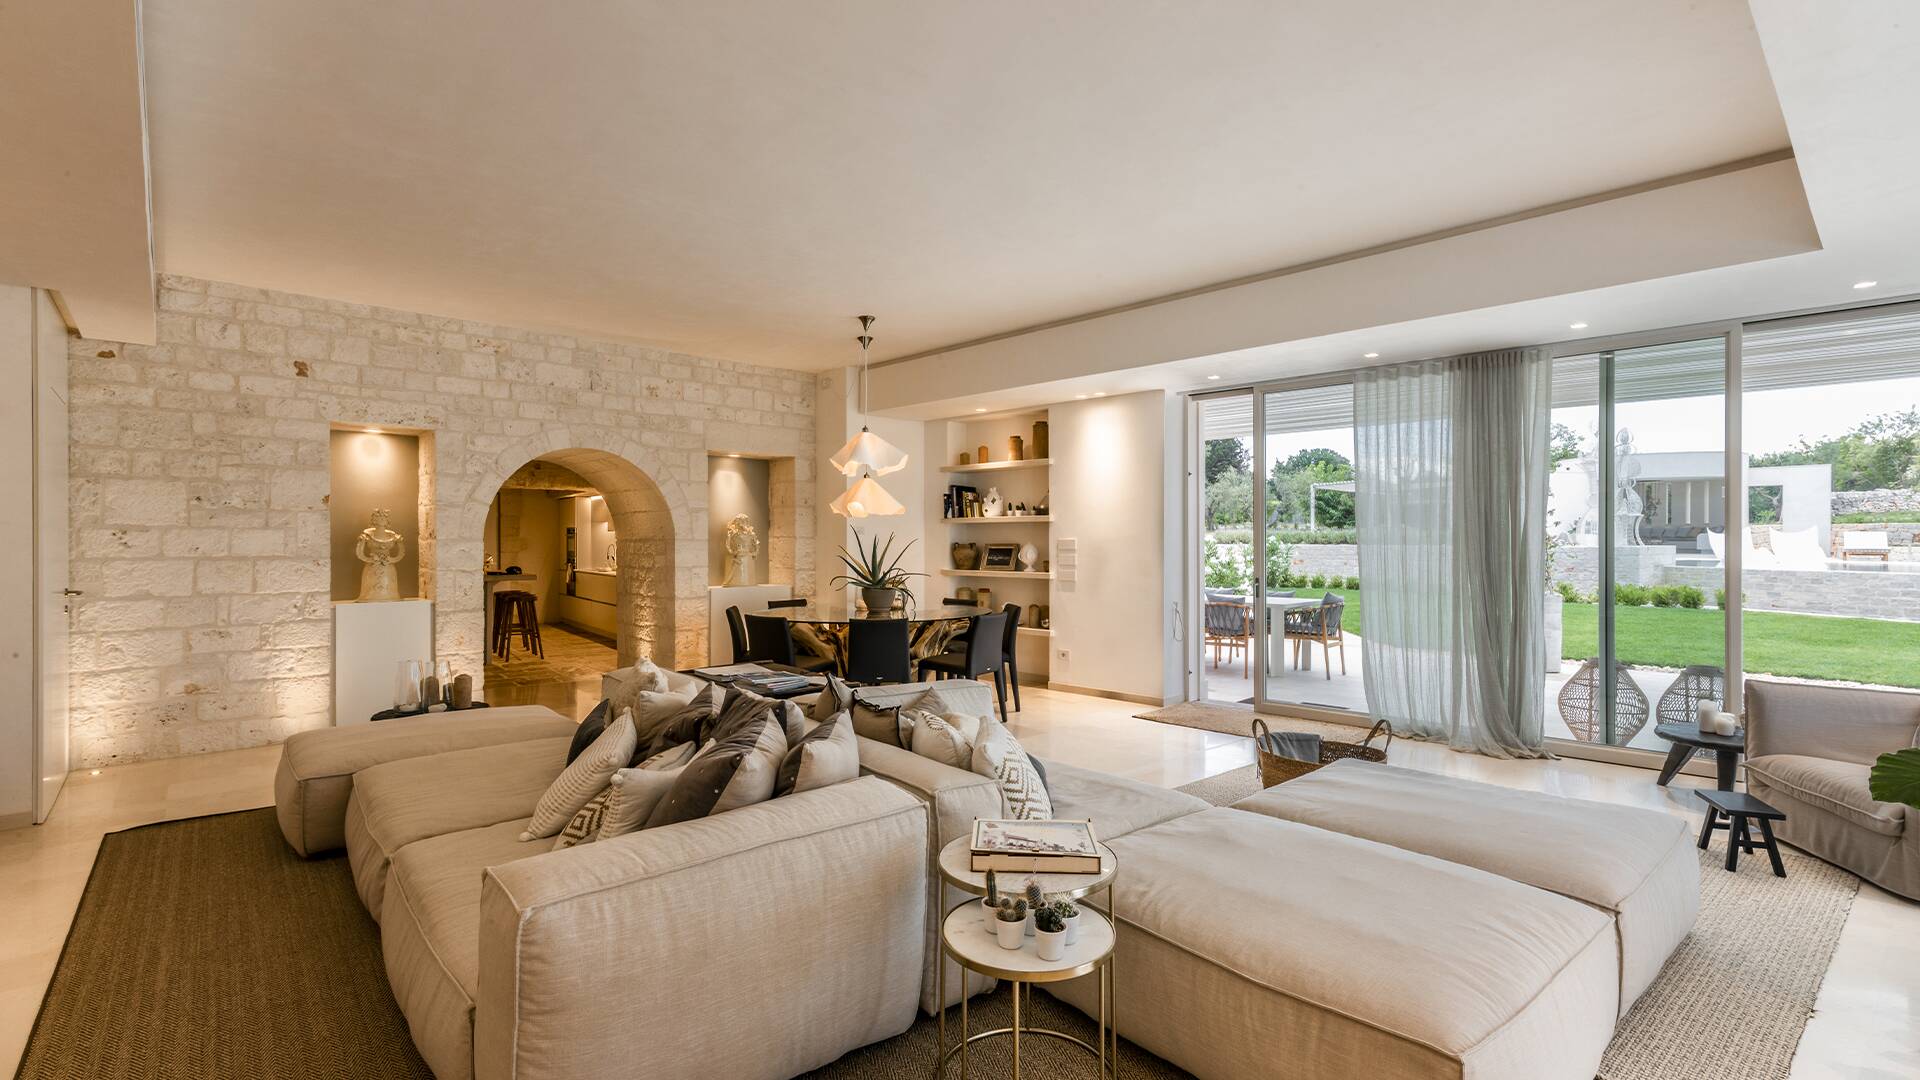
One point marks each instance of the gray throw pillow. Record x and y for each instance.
(836, 698)
(689, 723)
(738, 768)
(827, 755)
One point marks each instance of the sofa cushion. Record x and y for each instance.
(827, 755)
(589, 730)
(632, 797)
(584, 826)
(430, 936)
(582, 780)
(1637, 865)
(1115, 804)
(399, 802)
(316, 770)
(946, 739)
(738, 768)
(644, 677)
(1838, 787)
(1250, 940)
(688, 722)
(997, 754)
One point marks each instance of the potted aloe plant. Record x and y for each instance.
(875, 570)
(1010, 922)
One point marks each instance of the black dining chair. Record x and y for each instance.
(737, 629)
(1012, 638)
(770, 641)
(984, 654)
(791, 601)
(879, 651)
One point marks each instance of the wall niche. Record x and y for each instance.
(373, 469)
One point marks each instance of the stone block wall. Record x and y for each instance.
(199, 488)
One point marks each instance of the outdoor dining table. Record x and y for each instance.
(1277, 608)
(933, 626)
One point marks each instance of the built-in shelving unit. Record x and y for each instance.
(1027, 481)
(1032, 575)
(998, 466)
(1017, 519)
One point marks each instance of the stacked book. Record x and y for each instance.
(774, 682)
(1035, 847)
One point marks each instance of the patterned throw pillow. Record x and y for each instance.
(827, 755)
(689, 722)
(632, 797)
(589, 730)
(997, 754)
(582, 780)
(946, 739)
(584, 825)
(738, 768)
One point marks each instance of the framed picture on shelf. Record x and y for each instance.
(999, 556)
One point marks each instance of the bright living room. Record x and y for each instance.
(208, 517)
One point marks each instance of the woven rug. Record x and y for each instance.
(205, 948)
(1231, 720)
(1735, 997)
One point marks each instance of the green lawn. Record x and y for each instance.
(1777, 642)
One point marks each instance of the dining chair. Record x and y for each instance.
(1322, 624)
(737, 630)
(791, 601)
(770, 641)
(1009, 641)
(1229, 627)
(984, 654)
(879, 651)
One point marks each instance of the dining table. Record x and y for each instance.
(821, 628)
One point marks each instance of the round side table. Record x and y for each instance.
(967, 937)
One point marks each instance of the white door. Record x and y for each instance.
(53, 600)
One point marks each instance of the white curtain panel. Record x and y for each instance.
(1451, 469)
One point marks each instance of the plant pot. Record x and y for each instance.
(879, 600)
(1553, 623)
(1073, 927)
(1051, 946)
(1009, 933)
(966, 556)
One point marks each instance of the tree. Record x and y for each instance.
(1230, 500)
(1302, 459)
(1563, 443)
(1227, 455)
(1290, 495)
(1882, 452)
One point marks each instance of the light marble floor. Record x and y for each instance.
(1866, 1024)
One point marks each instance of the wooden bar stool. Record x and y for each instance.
(516, 614)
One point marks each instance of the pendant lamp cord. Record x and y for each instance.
(865, 339)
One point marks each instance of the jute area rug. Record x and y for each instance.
(1735, 997)
(205, 948)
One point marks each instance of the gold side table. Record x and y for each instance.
(967, 937)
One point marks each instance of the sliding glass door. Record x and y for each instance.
(1637, 539)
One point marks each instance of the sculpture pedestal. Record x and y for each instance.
(369, 641)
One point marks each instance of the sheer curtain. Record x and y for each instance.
(1451, 463)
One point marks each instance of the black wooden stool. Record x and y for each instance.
(515, 615)
(1740, 808)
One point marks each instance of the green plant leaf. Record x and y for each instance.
(1896, 777)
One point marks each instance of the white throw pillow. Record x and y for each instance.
(586, 777)
(946, 739)
(644, 677)
(828, 754)
(632, 796)
(997, 754)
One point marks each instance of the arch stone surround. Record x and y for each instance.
(199, 487)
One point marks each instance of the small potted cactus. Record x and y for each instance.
(1034, 903)
(1010, 920)
(992, 899)
(1050, 932)
(1069, 913)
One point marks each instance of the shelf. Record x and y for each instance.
(998, 466)
(1035, 575)
(1014, 519)
(1037, 631)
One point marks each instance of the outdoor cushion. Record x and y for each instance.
(1639, 866)
(315, 777)
(1260, 947)
(399, 802)
(1838, 787)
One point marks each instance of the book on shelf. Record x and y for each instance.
(1035, 847)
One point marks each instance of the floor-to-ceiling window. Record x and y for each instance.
(1225, 548)
(1831, 439)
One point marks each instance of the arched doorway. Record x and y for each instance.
(596, 534)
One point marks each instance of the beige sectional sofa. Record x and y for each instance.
(1254, 944)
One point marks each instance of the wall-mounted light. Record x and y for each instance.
(375, 431)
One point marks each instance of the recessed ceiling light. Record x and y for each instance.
(1577, 326)
(1865, 284)
(375, 431)
(1099, 393)
(1213, 378)
(1370, 356)
(980, 410)
(1079, 397)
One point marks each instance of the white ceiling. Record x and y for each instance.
(740, 179)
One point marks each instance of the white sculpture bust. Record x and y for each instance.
(381, 549)
(742, 546)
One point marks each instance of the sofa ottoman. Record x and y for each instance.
(315, 776)
(397, 803)
(1640, 867)
(1254, 946)
(1116, 805)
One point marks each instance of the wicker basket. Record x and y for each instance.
(1276, 768)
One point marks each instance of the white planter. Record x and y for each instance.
(1051, 946)
(1073, 928)
(1553, 623)
(1010, 934)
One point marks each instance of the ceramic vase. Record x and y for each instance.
(1039, 446)
(1016, 450)
(980, 456)
(966, 556)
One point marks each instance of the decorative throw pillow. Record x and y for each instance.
(890, 724)
(632, 796)
(584, 825)
(793, 720)
(644, 677)
(997, 754)
(671, 758)
(836, 698)
(946, 739)
(582, 780)
(738, 768)
(589, 730)
(689, 722)
(827, 755)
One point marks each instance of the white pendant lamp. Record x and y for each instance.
(867, 455)
(867, 452)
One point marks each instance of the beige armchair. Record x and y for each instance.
(1809, 749)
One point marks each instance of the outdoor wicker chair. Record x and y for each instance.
(1580, 700)
(1681, 703)
(1229, 627)
(1304, 626)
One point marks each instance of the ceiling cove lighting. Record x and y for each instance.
(1370, 356)
(1865, 284)
(1099, 393)
(1577, 326)
(1213, 378)
(980, 410)
(867, 455)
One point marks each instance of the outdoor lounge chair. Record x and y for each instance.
(1864, 544)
